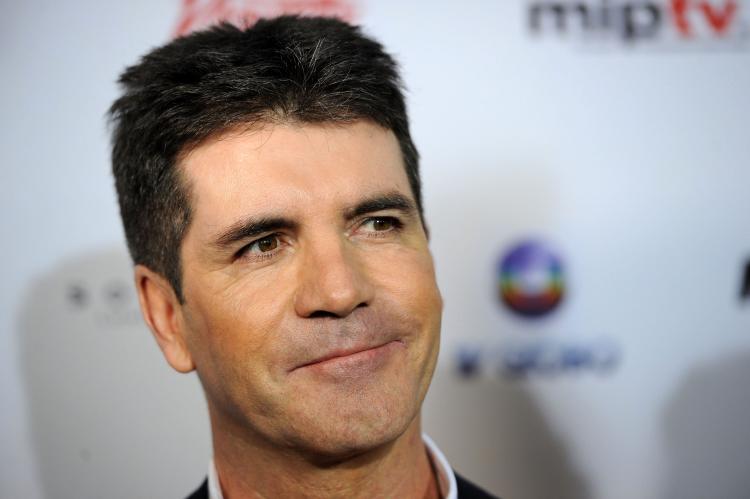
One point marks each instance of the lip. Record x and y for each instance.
(357, 357)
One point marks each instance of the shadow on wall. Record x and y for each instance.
(108, 417)
(707, 436)
(495, 434)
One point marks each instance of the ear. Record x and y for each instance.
(162, 311)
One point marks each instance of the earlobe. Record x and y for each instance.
(162, 312)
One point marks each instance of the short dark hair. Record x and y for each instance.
(287, 69)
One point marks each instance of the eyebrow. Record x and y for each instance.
(389, 201)
(252, 227)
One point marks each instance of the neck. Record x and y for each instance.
(400, 468)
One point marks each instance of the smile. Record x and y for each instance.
(354, 360)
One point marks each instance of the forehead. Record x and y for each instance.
(291, 167)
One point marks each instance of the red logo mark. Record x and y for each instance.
(718, 18)
(199, 14)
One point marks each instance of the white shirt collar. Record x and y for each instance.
(443, 467)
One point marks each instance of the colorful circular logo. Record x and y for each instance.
(531, 279)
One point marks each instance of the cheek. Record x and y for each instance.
(413, 291)
(237, 320)
(235, 348)
(408, 278)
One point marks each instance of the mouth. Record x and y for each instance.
(354, 359)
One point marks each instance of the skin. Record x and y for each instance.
(311, 311)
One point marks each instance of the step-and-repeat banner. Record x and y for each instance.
(587, 186)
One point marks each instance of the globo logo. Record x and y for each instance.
(541, 358)
(530, 279)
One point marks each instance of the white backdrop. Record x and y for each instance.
(621, 147)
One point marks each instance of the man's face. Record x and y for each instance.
(311, 309)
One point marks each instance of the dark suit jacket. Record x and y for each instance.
(466, 490)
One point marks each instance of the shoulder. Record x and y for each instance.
(201, 492)
(467, 490)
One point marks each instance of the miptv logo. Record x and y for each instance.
(676, 23)
(200, 14)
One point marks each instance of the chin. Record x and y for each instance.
(353, 425)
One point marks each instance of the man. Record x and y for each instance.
(270, 194)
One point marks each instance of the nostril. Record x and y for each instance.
(322, 314)
(319, 314)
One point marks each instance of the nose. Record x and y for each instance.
(332, 280)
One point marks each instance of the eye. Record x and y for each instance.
(262, 246)
(381, 224)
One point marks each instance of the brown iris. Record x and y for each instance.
(268, 243)
(381, 224)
